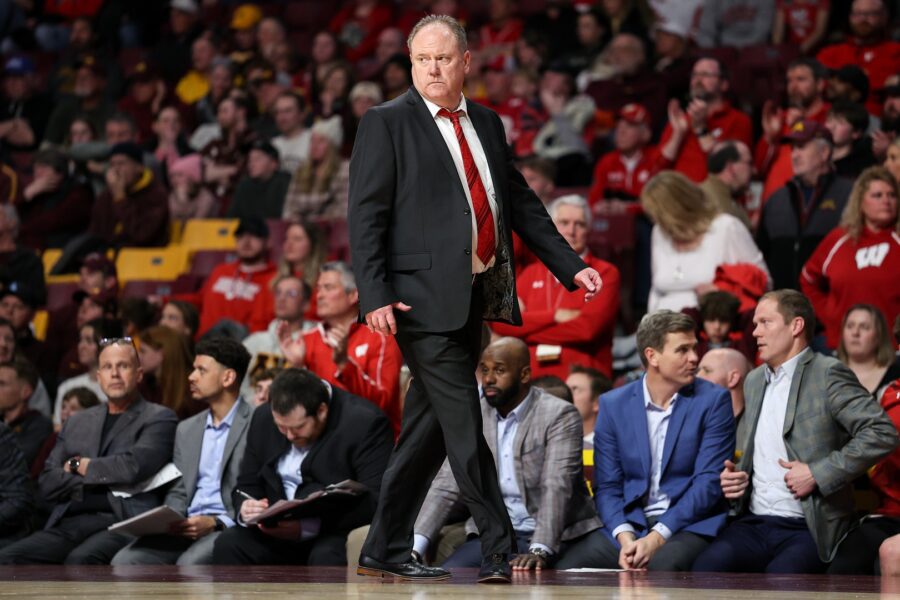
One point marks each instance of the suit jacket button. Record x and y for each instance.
(467, 212)
(467, 251)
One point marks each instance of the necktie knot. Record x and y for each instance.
(453, 115)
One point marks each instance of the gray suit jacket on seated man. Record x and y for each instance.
(119, 444)
(209, 448)
(536, 439)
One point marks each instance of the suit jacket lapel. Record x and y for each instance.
(489, 427)
(679, 411)
(794, 395)
(425, 122)
(482, 127)
(637, 419)
(235, 432)
(191, 455)
(752, 408)
(526, 420)
(124, 421)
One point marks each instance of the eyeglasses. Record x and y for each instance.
(287, 293)
(104, 342)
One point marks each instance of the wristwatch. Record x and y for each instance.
(542, 554)
(220, 525)
(74, 463)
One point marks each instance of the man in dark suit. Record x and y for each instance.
(811, 430)
(208, 451)
(101, 450)
(310, 435)
(434, 198)
(658, 444)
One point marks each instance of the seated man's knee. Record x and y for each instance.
(889, 556)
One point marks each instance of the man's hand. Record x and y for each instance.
(678, 119)
(799, 478)
(626, 554)
(528, 562)
(382, 320)
(563, 315)
(880, 142)
(285, 530)
(734, 482)
(772, 121)
(588, 280)
(115, 183)
(645, 548)
(337, 336)
(698, 111)
(251, 508)
(194, 528)
(83, 466)
(294, 350)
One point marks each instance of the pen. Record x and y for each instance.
(246, 495)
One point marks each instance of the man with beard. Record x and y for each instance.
(292, 141)
(237, 296)
(806, 83)
(658, 496)
(224, 158)
(890, 120)
(711, 119)
(868, 47)
(89, 101)
(545, 496)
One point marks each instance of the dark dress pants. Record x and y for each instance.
(249, 546)
(75, 540)
(858, 553)
(441, 418)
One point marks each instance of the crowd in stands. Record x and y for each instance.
(730, 168)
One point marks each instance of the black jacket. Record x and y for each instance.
(355, 444)
(16, 499)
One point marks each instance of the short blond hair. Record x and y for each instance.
(852, 220)
(678, 206)
(455, 27)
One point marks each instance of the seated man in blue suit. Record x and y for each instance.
(659, 444)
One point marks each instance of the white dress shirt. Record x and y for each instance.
(770, 495)
(656, 502)
(445, 126)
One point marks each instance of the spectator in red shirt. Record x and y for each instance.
(868, 47)
(559, 328)
(800, 23)
(860, 260)
(711, 118)
(237, 296)
(344, 352)
(621, 174)
(806, 82)
(358, 24)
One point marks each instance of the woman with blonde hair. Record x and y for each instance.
(867, 348)
(320, 186)
(859, 261)
(690, 238)
(167, 360)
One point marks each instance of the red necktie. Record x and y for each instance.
(484, 218)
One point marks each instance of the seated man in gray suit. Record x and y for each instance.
(811, 429)
(536, 439)
(208, 451)
(122, 443)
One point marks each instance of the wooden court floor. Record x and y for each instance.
(336, 583)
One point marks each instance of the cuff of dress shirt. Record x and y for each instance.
(539, 546)
(623, 528)
(309, 528)
(662, 530)
(420, 544)
(226, 520)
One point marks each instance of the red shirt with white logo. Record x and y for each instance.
(618, 177)
(585, 340)
(800, 18)
(727, 123)
(879, 61)
(843, 272)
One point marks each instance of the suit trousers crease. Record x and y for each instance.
(441, 418)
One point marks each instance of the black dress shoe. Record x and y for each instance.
(411, 570)
(495, 569)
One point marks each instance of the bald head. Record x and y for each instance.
(509, 350)
(724, 366)
(505, 373)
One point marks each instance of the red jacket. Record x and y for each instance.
(585, 340)
(885, 476)
(613, 179)
(727, 123)
(372, 370)
(879, 61)
(360, 36)
(231, 293)
(843, 272)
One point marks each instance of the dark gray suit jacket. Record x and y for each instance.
(835, 426)
(411, 226)
(188, 445)
(138, 446)
(549, 473)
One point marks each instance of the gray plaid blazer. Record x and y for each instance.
(832, 424)
(549, 473)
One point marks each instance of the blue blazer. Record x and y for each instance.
(699, 438)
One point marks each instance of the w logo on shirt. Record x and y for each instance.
(872, 256)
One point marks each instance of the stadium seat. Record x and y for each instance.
(144, 288)
(49, 258)
(59, 294)
(39, 324)
(209, 234)
(277, 232)
(204, 261)
(135, 264)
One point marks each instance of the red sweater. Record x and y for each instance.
(843, 272)
(585, 340)
(231, 293)
(372, 370)
(727, 123)
(613, 179)
(885, 476)
(879, 61)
